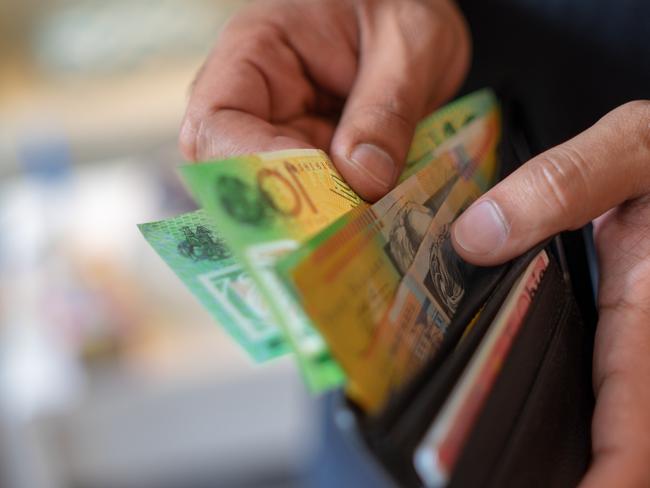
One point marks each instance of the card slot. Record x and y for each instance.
(442, 373)
(493, 425)
(551, 440)
(515, 418)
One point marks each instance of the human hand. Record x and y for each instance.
(603, 172)
(351, 77)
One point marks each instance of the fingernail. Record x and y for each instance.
(481, 229)
(375, 163)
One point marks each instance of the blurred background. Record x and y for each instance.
(111, 373)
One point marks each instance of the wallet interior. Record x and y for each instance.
(535, 423)
(534, 426)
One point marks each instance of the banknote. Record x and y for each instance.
(280, 192)
(432, 288)
(437, 453)
(346, 277)
(428, 295)
(266, 205)
(443, 124)
(192, 246)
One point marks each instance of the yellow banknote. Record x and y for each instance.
(346, 278)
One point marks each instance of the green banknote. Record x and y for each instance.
(443, 124)
(192, 246)
(268, 204)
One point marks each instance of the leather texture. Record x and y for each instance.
(534, 429)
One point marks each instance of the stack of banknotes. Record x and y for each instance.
(289, 259)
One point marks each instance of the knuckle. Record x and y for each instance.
(632, 121)
(424, 11)
(391, 112)
(423, 23)
(418, 22)
(560, 177)
(636, 109)
(640, 115)
(252, 31)
(258, 43)
(205, 137)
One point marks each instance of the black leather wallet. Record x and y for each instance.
(534, 427)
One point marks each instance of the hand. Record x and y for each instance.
(351, 77)
(603, 172)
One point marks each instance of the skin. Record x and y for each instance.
(600, 174)
(345, 74)
(329, 74)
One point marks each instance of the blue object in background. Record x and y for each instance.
(45, 155)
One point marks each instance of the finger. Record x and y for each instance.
(406, 56)
(563, 188)
(261, 82)
(621, 446)
(234, 81)
(622, 348)
(232, 132)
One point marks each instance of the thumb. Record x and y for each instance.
(561, 189)
(396, 84)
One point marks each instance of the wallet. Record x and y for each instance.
(533, 428)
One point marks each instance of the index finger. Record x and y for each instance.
(255, 91)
